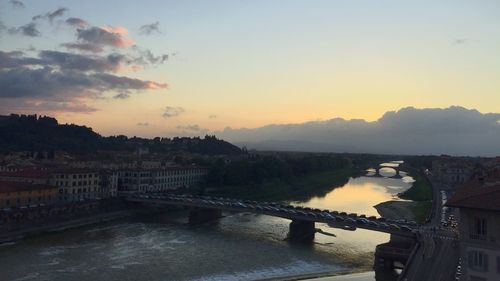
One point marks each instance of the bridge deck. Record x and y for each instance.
(332, 218)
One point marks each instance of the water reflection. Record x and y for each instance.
(239, 247)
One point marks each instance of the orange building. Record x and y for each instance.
(18, 194)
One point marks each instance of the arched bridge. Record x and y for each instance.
(302, 227)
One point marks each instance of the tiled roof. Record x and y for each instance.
(475, 195)
(27, 173)
(9, 186)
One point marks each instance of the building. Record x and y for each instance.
(452, 171)
(30, 175)
(77, 184)
(479, 205)
(20, 194)
(159, 179)
(108, 184)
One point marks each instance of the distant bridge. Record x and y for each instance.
(302, 227)
(382, 166)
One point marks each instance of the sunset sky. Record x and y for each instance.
(155, 68)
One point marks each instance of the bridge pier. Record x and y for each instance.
(397, 175)
(393, 254)
(201, 215)
(301, 231)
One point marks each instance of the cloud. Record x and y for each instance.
(143, 124)
(172, 111)
(454, 130)
(192, 130)
(105, 36)
(68, 61)
(29, 29)
(64, 80)
(22, 106)
(86, 47)
(213, 116)
(76, 22)
(54, 80)
(121, 96)
(51, 83)
(16, 4)
(51, 15)
(460, 41)
(147, 29)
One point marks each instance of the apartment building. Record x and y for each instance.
(76, 184)
(479, 205)
(26, 194)
(159, 179)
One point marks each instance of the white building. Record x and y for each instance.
(159, 179)
(77, 184)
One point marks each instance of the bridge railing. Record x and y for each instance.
(332, 218)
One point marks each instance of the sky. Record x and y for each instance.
(164, 68)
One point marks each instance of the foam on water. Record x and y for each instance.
(297, 267)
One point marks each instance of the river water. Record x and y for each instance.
(238, 247)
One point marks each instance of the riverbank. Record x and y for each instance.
(397, 210)
(24, 232)
(350, 276)
(316, 184)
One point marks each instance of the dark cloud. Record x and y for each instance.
(455, 131)
(15, 59)
(69, 61)
(51, 83)
(49, 80)
(51, 15)
(147, 29)
(29, 29)
(16, 3)
(108, 36)
(63, 81)
(86, 47)
(76, 22)
(213, 116)
(143, 124)
(37, 106)
(172, 111)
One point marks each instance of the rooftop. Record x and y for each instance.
(8, 186)
(477, 195)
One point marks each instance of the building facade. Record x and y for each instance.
(77, 184)
(159, 179)
(479, 205)
(24, 194)
(452, 172)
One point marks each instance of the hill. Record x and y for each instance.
(42, 133)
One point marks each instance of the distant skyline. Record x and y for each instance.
(164, 68)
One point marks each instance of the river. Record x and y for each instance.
(238, 247)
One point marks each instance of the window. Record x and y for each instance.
(498, 265)
(479, 229)
(478, 261)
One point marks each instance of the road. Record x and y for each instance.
(437, 256)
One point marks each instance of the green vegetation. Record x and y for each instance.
(421, 211)
(421, 193)
(421, 189)
(318, 183)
